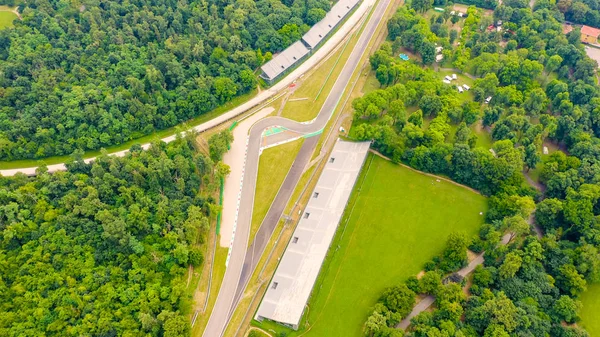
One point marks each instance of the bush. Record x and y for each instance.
(195, 257)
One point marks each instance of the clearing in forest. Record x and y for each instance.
(591, 308)
(7, 18)
(397, 219)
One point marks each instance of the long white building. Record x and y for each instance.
(321, 29)
(290, 288)
(296, 52)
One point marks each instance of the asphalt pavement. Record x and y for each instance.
(275, 212)
(226, 299)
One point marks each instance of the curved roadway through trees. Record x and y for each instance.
(227, 299)
(257, 100)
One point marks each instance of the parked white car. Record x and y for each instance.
(487, 100)
(466, 87)
(448, 78)
(454, 77)
(446, 81)
(460, 89)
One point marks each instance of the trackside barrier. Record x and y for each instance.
(221, 189)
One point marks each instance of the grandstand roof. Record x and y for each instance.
(320, 30)
(284, 60)
(297, 272)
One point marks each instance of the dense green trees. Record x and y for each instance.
(103, 249)
(544, 93)
(86, 76)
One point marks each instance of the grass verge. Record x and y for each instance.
(217, 278)
(397, 219)
(270, 259)
(7, 18)
(591, 308)
(316, 86)
(273, 166)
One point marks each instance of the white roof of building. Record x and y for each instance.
(284, 60)
(320, 30)
(290, 288)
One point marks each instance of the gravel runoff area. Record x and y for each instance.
(320, 54)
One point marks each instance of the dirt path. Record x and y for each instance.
(12, 10)
(538, 186)
(429, 300)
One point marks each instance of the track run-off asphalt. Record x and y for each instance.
(239, 270)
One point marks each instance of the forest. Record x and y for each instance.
(88, 75)
(533, 87)
(103, 249)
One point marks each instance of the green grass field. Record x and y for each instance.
(397, 219)
(317, 86)
(6, 19)
(461, 79)
(484, 139)
(273, 166)
(591, 310)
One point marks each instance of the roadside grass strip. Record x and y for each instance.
(590, 313)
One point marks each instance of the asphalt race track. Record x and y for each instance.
(233, 282)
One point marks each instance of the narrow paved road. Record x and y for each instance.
(429, 300)
(271, 220)
(226, 300)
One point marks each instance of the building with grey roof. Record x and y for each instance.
(284, 61)
(290, 288)
(321, 29)
(295, 53)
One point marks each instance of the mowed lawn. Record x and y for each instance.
(590, 314)
(273, 166)
(397, 220)
(6, 19)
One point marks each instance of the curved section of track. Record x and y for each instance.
(226, 300)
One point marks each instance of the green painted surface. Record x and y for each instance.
(590, 314)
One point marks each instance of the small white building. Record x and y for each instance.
(448, 78)
(466, 87)
(439, 57)
(446, 81)
(488, 99)
(439, 49)
(453, 13)
(454, 76)
(460, 89)
(460, 14)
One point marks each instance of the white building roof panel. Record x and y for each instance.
(297, 272)
(285, 60)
